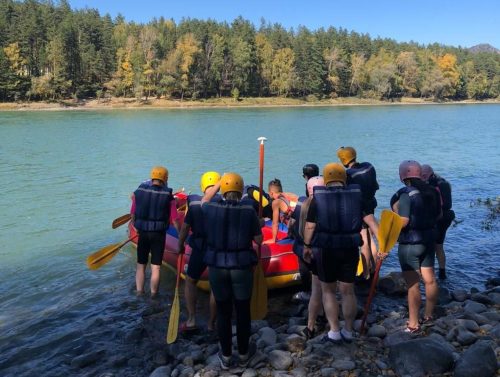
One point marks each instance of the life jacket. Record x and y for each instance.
(229, 235)
(339, 217)
(152, 207)
(422, 218)
(363, 174)
(252, 193)
(444, 188)
(298, 242)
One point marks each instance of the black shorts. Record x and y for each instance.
(196, 265)
(336, 264)
(413, 257)
(153, 242)
(443, 224)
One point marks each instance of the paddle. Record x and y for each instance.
(119, 221)
(258, 303)
(104, 255)
(388, 233)
(173, 320)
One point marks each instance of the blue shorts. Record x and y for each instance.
(196, 265)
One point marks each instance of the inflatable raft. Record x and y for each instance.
(279, 263)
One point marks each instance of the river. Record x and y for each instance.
(67, 174)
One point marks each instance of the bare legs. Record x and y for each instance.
(331, 304)
(414, 299)
(431, 290)
(191, 293)
(140, 276)
(315, 303)
(369, 248)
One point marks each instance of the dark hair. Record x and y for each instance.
(310, 170)
(277, 183)
(430, 195)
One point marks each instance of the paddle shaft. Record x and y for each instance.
(371, 295)
(118, 247)
(121, 220)
(173, 320)
(261, 175)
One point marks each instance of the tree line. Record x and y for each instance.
(49, 51)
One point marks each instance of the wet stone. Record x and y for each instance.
(495, 297)
(163, 371)
(328, 372)
(475, 307)
(187, 372)
(298, 372)
(258, 324)
(459, 295)
(249, 373)
(295, 343)
(492, 316)
(469, 324)
(444, 296)
(377, 331)
(344, 364)
(482, 298)
(465, 337)
(478, 360)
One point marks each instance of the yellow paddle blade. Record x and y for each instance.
(256, 196)
(119, 221)
(103, 256)
(258, 303)
(388, 230)
(173, 321)
(360, 266)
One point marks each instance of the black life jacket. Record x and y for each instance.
(339, 217)
(252, 195)
(444, 190)
(298, 242)
(229, 229)
(420, 229)
(363, 174)
(197, 223)
(152, 207)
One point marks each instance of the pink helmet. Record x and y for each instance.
(427, 171)
(313, 182)
(409, 169)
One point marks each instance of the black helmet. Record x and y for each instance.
(310, 170)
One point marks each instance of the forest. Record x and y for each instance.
(49, 51)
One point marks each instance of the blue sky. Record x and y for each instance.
(459, 22)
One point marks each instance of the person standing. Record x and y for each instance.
(418, 204)
(231, 225)
(197, 241)
(153, 207)
(363, 174)
(331, 241)
(444, 189)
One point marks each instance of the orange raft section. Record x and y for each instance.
(279, 263)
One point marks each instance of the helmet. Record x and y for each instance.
(209, 179)
(231, 182)
(313, 182)
(346, 155)
(427, 172)
(310, 170)
(409, 169)
(334, 172)
(160, 173)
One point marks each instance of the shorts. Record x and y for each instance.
(298, 250)
(413, 257)
(336, 264)
(443, 224)
(196, 265)
(153, 242)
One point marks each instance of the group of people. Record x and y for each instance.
(329, 225)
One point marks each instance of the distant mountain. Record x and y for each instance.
(483, 47)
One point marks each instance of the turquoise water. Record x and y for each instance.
(66, 175)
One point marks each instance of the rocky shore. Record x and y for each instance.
(463, 340)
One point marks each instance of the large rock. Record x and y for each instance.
(377, 331)
(420, 357)
(280, 360)
(495, 297)
(393, 284)
(475, 307)
(295, 343)
(396, 338)
(459, 295)
(444, 296)
(482, 298)
(267, 336)
(465, 337)
(478, 361)
(163, 371)
(469, 324)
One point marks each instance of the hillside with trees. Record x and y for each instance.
(49, 51)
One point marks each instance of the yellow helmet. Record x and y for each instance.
(160, 173)
(231, 182)
(209, 179)
(346, 155)
(334, 172)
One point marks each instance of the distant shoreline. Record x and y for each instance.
(153, 103)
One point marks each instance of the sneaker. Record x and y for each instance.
(309, 334)
(326, 338)
(426, 321)
(442, 274)
(245, 359)
(301, 296)
(346, 335)
(225, 361)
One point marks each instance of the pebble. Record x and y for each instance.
(267, 337)
(482, 298)
(280, 360)
(469, 324)
(475, 307)
(163, 371)
(344, 364)
(459, 295)
(249, 372)
(377, 331)
(465, 337)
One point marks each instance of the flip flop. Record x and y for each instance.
(184, 328)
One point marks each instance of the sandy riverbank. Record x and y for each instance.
(153, 103)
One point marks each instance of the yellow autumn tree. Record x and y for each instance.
(448, 66)
(188, 47)
(264, 52)
(283, 73)
(16, 61)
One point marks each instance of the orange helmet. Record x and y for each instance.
(346, 155)
(334, 172)
(160, 173)
(231, 182)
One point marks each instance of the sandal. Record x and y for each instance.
(309, 334)
(184, 328)
(413, 330)
(428, 321)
